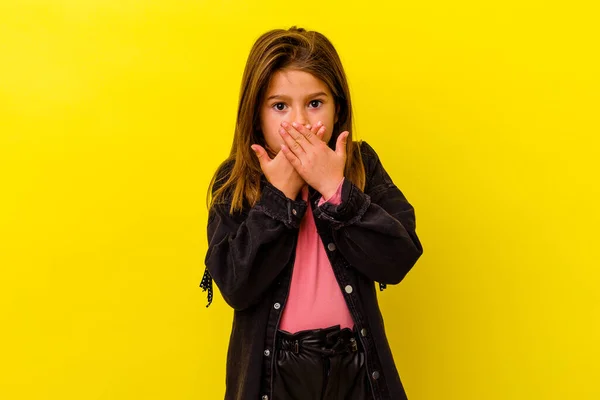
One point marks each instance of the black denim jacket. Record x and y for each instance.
(370, 237)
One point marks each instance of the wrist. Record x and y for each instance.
(290, 192)
(286, 190)
(330, 189)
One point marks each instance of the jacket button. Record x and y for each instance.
(331, 246)
(294, 211)
(363, 332)
(348, 289)
(267, 353)
(265, 397)
(375, 375)
(277, 306)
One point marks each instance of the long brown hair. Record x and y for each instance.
(277, 49)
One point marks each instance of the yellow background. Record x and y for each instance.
(115, 113)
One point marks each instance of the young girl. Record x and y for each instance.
(302, 222)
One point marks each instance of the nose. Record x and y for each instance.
(300, 117)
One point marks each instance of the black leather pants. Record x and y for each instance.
(322, 364)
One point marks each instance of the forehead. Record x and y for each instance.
(290, 81)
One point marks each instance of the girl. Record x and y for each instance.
(302, 222)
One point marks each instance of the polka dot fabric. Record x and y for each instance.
(206, 284)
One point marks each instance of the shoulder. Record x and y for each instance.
(224, 169)
(222, 174)
(369, 157)
(375, 174)
(367, 152)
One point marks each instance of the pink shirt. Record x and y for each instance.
(315, 299)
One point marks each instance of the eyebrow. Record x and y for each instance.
(282, 96)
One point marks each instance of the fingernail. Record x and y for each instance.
(284, 124)
(295, 124)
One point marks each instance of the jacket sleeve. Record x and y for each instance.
(374, 230)
(247, 251)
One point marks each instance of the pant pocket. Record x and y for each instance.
(298, 376)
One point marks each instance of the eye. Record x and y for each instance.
(276, 106)
(318, 103)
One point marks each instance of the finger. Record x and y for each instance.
(306, 133)
(292, 158)
(308, 126)
(321, 132)
(292, 144)
(294, 131)
(316, 130)
(317, 126)
(261, 154)
(340, 146)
